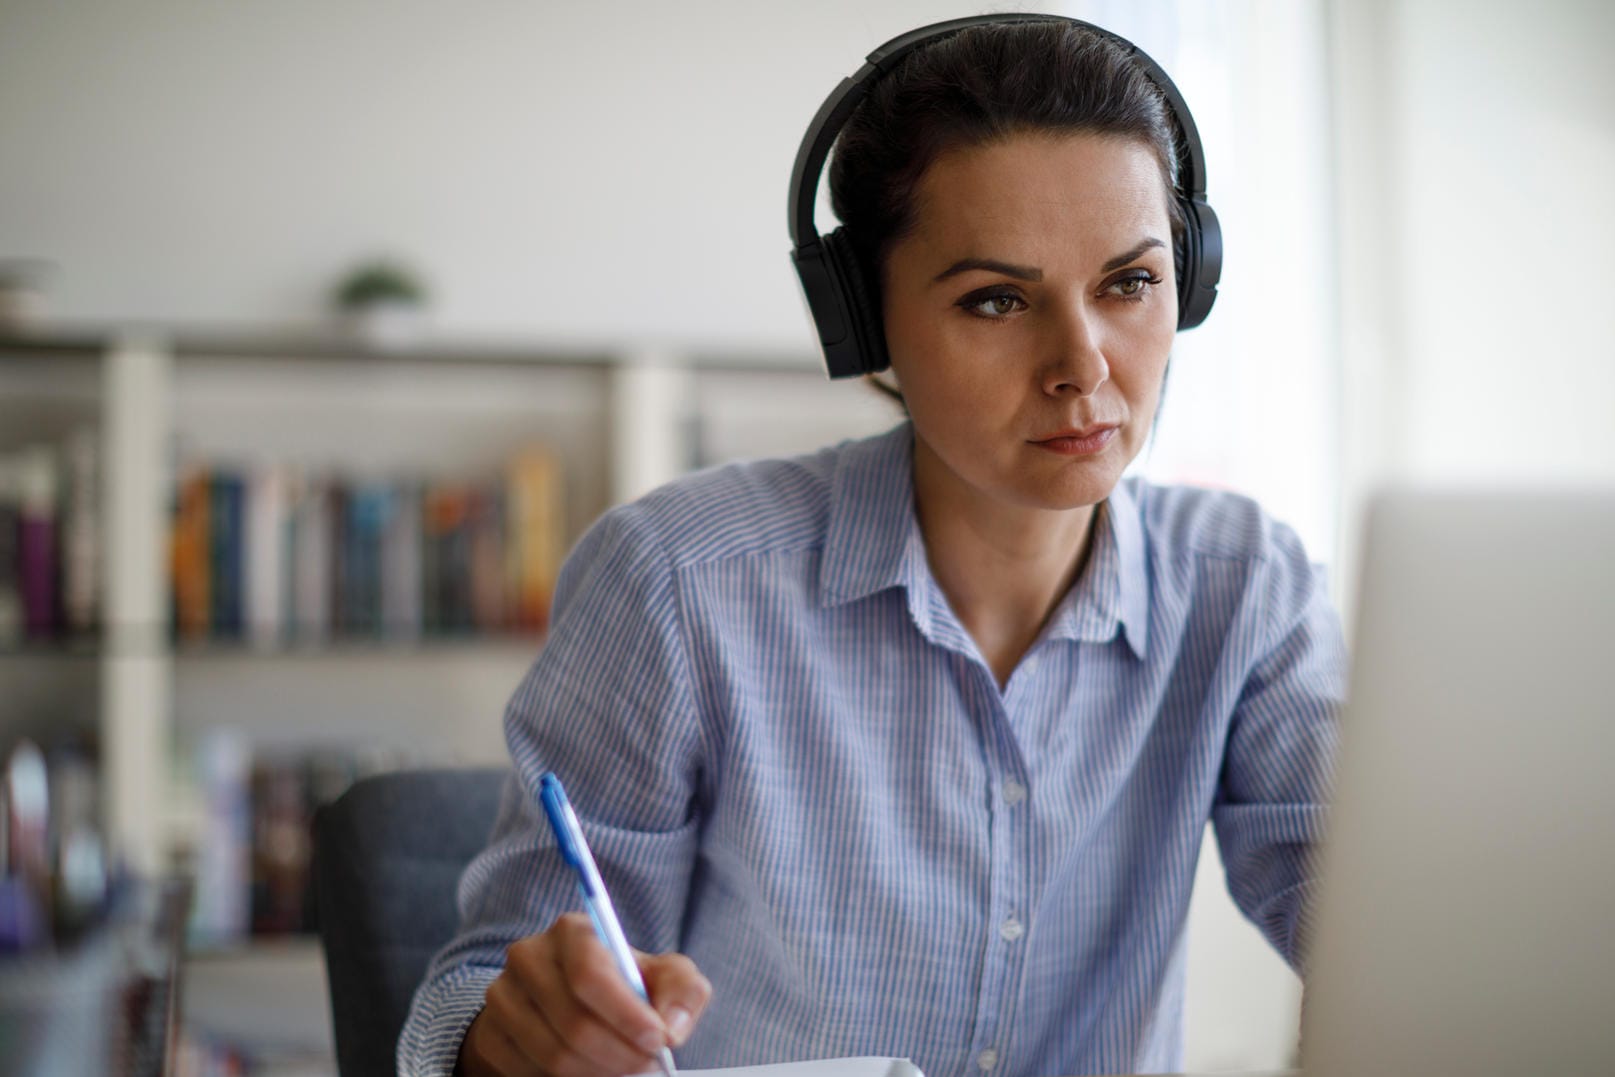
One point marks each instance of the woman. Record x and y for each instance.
(907, 747)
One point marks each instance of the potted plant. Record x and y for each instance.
(383, 303)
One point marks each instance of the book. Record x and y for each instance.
(402, 578)
(11, 619)
(536, 540)
(276, 555)
(311, 543)
(81, 533)
(189, 548)
(37, 566)
(485, 552)
(265, 553)
(225, 504)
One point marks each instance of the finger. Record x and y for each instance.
(556, 1029)
(598, 984)
(581, 1032)
(678, 991)
(514, 1039)
(507, 1059)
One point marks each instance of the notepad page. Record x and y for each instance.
(870, 1066)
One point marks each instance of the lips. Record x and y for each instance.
(1075, 433)
(1077, 442)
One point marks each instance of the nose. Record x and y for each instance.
(1076, 360)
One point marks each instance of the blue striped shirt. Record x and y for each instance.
(794, 765)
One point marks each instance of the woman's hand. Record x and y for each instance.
(561, 1009)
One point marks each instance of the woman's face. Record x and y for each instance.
(1029, 315)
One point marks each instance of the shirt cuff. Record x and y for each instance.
(443, 1009)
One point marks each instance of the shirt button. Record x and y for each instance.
(987, 1059)
(1014, 792)
(1011, 930)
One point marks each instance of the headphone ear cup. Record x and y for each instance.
(1198, 257)
(862, 295)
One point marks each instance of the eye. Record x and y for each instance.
(992, 305)
(1135, 285)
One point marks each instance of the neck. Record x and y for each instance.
(1003, 567)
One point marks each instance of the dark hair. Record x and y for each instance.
(978, 86)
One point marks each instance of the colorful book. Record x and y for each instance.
(534, 497)
(266, 553)
(37, 567)
(402, 579)
(190, 556)
(311, 543)
(81, 533)
(225, 554)
(11, 617)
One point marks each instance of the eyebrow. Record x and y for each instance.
(992, 265)
(1127, 256)
(1032, 273)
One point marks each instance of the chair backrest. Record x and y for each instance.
(387, 858)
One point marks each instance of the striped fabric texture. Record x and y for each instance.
(793, 764)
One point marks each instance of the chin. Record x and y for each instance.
(1066, 496)
(1074, 486)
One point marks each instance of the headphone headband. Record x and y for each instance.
(838, 108)
(845, 306)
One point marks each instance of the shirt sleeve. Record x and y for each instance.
(608, 706)
(1278, 763)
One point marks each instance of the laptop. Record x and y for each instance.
(1466, 918)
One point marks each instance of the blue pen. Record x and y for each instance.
(575, 851)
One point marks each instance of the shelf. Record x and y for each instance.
(77, 647)
(623, 416)
(342, 649)
(324, 341)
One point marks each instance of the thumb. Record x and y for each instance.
(678, 992)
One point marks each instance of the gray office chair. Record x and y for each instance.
(387, 857)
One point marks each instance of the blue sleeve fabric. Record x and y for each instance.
(1271, 799)
(608, 695)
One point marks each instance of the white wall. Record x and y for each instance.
(556, 169)
(1476, 155)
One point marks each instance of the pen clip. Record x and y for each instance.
(564, 823)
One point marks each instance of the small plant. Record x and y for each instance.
(379, 282)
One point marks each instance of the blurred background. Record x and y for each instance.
(326, 328)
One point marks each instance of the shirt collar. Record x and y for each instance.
(869, 545)
(873, 543)
(1113, 592)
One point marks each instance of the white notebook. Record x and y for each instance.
(820, 1067)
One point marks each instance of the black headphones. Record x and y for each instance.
(846, 308)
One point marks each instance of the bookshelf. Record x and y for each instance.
(622, 418)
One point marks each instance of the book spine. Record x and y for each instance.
(457, 564)
(312, 566)
(339, 574)
(81, 534)
(281, 853)
(536, 514)
(265, 555)
(37, 566)
(486, 542)
(190, 548)
(402, 568)
(223, 870)
(225, 543)
(11, 614)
